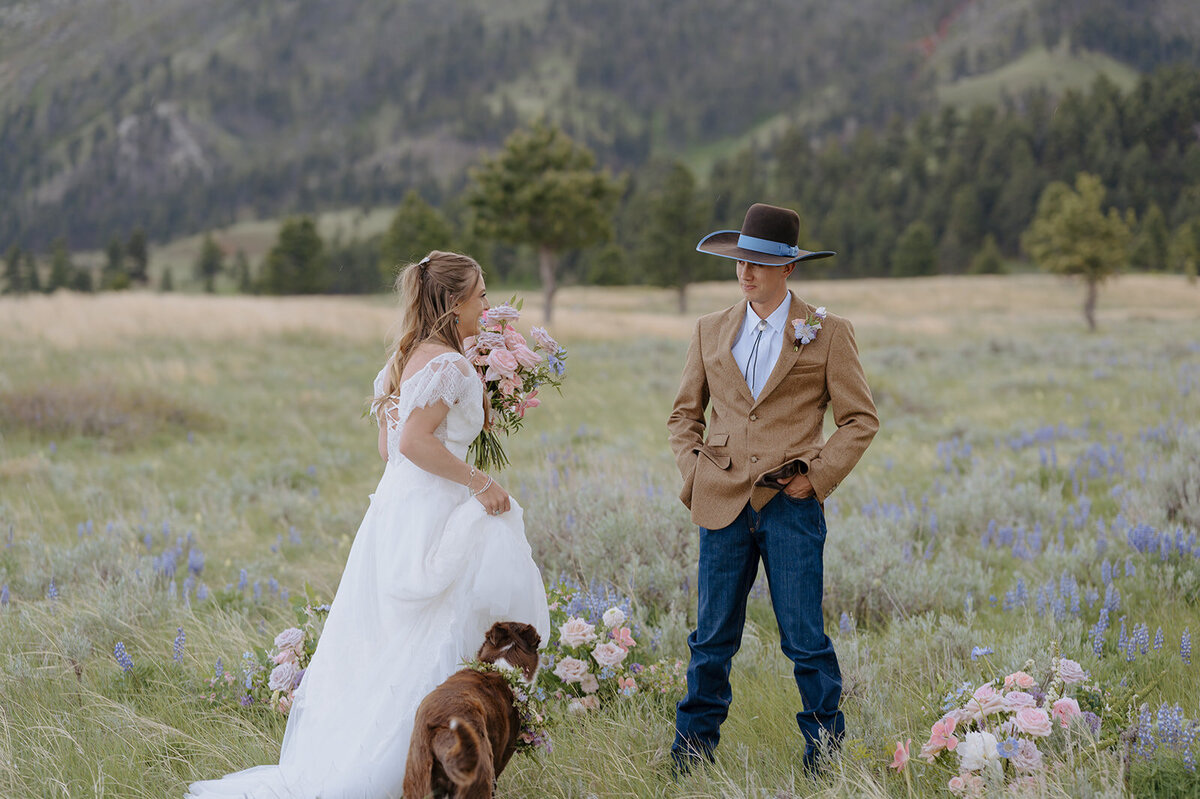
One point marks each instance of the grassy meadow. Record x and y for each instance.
(182, 462)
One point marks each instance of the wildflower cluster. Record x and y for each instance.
(270, 678)
(527, 702)
(805, 330)
(512, 372)
(1005, 731)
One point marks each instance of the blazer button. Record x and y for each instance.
(754, 417)
(754, 459)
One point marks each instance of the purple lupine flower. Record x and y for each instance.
(195, 562)
(202, 592)
(52, 590)
(1158, 640)
(123, 658)
(845, 626)
(177, 648)
(218, 669)
(1144, 744)
(4, 595)
(980, 651)
(243, 580)
(1185, 645)
(1092, 721)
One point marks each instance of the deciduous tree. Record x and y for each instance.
(1072, 235)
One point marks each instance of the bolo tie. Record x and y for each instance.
(752, 361)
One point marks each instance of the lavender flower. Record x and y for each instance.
(177, 649)
(123, 658)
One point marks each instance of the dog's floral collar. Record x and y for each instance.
(527, 702)
(806, 329)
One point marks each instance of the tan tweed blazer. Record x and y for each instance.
(746, 437)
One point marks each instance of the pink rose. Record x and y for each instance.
(1064, 710)
(576, 632)
(589, 683)
(957, 785)
(544, 339)
(985, 701)
(508, 386)
(1028, 757)
(525, 356)
(1015, 700)
(623, 638)
(608, 654)
(590, 702)
(1070, 671)
(291, 638)
(501, 313)
(284, 705)
(513, 338)
(283, 677)
(285, 656)
(489, 340)
(1019, 680)
(1033, 721)
(627, 685)
(501, 364)
(570, 670)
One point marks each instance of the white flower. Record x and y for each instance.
(976, 750)
(283, 677)
(821, 313)
(576, 632)
(570, 670)
(613, 618)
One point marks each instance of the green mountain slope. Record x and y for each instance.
(178, 115)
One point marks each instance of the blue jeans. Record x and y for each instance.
(789, 535)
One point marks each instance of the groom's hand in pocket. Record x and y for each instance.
(799, 487)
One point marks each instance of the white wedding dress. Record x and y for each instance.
(428, 573)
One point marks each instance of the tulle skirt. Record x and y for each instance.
(429, 572)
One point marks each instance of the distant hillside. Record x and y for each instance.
(181, 115)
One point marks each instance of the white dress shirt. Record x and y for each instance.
(756, 370)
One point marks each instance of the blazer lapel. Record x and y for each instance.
(788, 354)
(728, 338)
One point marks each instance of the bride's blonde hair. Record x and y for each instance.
(429, 292)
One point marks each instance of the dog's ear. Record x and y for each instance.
(529, 634)
(497, 635)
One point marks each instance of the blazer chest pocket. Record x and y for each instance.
(711, 449)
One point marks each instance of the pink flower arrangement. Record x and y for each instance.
(1005, 730)
(512, 371)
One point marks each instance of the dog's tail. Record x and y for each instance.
(460, 751)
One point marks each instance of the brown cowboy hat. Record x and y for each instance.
(769, 236)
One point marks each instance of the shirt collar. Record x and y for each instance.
(776, 321)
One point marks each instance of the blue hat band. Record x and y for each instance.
(767, 246)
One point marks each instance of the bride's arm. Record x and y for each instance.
(419, 444)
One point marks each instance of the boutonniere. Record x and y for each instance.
(806, 329)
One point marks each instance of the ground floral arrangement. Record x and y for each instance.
(1010, 733)
(594, 655)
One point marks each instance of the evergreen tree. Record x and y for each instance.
(667, 251)
(139, 257)
(1071, 235)
(209, 263)
(543, 190)
(168, 280)
(114, 276)
(82, 281)
(417, 228)
(1152, 242)
(296, 264)
(1183, 255)
(988, 260)
(33, 277)
(914, 253)
(241, 272)
(14, 280)
(62, 271)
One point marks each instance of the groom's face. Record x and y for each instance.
(764, 285)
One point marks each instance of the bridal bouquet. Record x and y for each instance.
(513, 371)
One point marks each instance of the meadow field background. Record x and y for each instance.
(190, 463)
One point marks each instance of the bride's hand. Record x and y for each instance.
(494, 499)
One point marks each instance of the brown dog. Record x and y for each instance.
(466, 729)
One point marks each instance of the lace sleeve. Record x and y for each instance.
(446, 378)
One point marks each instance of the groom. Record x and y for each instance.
(756, 473)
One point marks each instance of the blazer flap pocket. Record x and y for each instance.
(719, 460)
(717, 440)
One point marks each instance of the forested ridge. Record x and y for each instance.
(177, 116)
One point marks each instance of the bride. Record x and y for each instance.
(440, 555)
